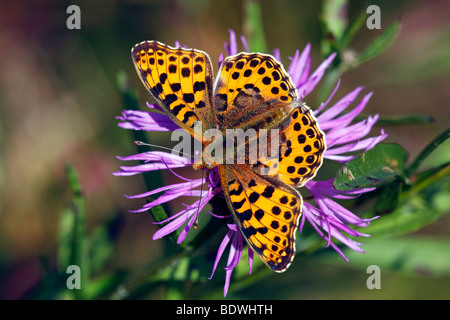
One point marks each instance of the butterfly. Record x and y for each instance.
(251, 91)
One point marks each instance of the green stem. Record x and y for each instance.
(427, 151)
(443, 172)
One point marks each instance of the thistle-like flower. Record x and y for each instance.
(329, 219)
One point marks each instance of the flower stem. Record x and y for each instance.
(427, 151)
(444, 171)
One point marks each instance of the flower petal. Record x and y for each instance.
(144, 120)
(314, 79)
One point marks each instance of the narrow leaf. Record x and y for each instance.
(380, 44)
(65, 236)
(254, 26)
(353, 29)
(79, 252)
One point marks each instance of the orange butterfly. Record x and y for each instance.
(251, 91)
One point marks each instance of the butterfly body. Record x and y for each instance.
(252, 98)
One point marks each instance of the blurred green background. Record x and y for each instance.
(59, 98)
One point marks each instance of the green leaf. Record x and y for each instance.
(178, 280)
(407, 218)
(105, 284)
(65, 238)
(383, 162)
(254, 26)
(101, 248)
(379, 44)
(79, 252)
(353, 29)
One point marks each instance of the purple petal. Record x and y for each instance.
(313, 220)
(299, 67)
(347, 118)
(174, 188)
(154, 106)
(365, 145)
(232, 46)
(144, 120)
(276, 54)
(292, 70)
(341, 159)
(220, 60)
(148, 156)
(155, 160)
(323, 105)
(222, 248)
(356, 131)
(182, 217)
(314, 79)
(197, 207)
(326, 188)
(244, 44)
(337, 108)
(133, 170)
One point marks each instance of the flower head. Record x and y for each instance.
(328, 218)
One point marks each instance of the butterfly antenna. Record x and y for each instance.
(140, 143)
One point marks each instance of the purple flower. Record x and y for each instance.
(343, 137)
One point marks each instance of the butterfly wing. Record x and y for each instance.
(252, 90)
(301, 148)
(179, 79)
(266, 211)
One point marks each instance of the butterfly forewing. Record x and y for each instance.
(249, 87)
(179, 79)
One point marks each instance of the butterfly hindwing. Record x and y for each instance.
(266, 212)
(301, 148)
(179, 79)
